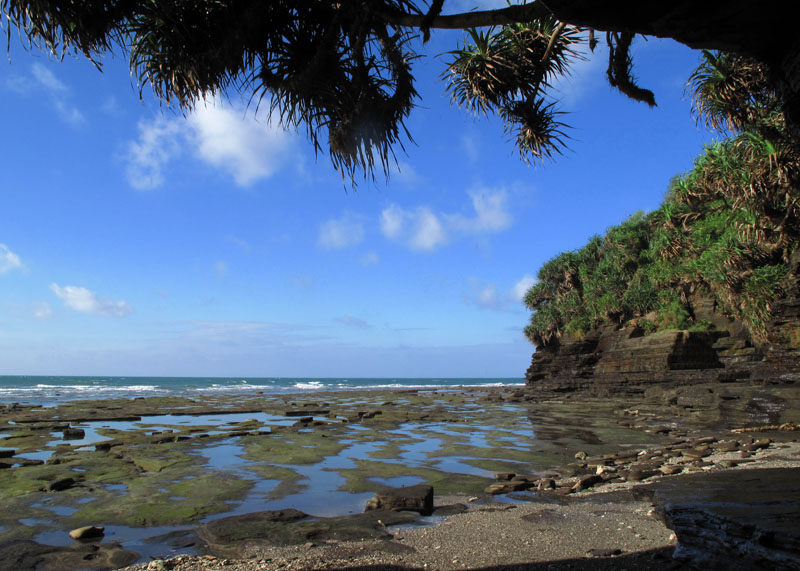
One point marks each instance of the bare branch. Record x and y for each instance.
(478, 19)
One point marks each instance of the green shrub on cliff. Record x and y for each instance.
(725, 230)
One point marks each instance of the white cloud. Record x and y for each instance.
(87, 301)
(392, 221)
(491, 213)
(47, 78)
(58, 92)
(8, 260)
(370, 259)
(341, 232)
(521, 287)
(42, 310)
(490, 296)
(242, 146)
(424, 229)
(484, 295)
(428, 233)
(225, 138)
(419, 229)
(158, 144)
(487, 296)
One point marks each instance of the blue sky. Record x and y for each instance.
(138, 241)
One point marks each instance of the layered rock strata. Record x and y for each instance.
(619, 360)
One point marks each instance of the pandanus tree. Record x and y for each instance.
(728, 230)
(343, 71)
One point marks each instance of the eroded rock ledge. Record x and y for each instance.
(624, 360)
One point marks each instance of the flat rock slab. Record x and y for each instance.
(28, 555)
(233, 536)
(735, 519)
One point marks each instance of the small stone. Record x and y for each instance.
(586, 482)
(546, 484)
(670, 469)
(581, 455)
(87, 532)
(504, 476)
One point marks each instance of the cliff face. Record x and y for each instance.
(625, 360)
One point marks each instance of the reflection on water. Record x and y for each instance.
(320, 488)
(398, 481)
(148, 542)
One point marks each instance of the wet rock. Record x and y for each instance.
(106, 445)
(696, 453)
(733, 519)
(7, 453)
(233, 536)
(306, 412)
(417, 498)
(74, 434)
(506, 487)
(637, 475)
(670, 469)
(757, 445)
(5, 465)
(452, 509)
(87, 532)
(60, 485)
(546, 484)
(504, 476)
(238, 528)
(27, 554)
(586, 483)
(573, 469)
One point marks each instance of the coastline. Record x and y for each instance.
(483, 430)
(610, 528)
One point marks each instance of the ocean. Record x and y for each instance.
(51, 390)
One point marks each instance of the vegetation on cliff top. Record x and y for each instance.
(726, 229)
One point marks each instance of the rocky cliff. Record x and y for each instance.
(626, 360)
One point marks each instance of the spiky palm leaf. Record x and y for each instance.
(506, 70)
(731, 92)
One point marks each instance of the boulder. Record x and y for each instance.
(732, 519)
(74, 434)
(418, 498)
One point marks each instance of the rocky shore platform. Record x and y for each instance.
(518, 481)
